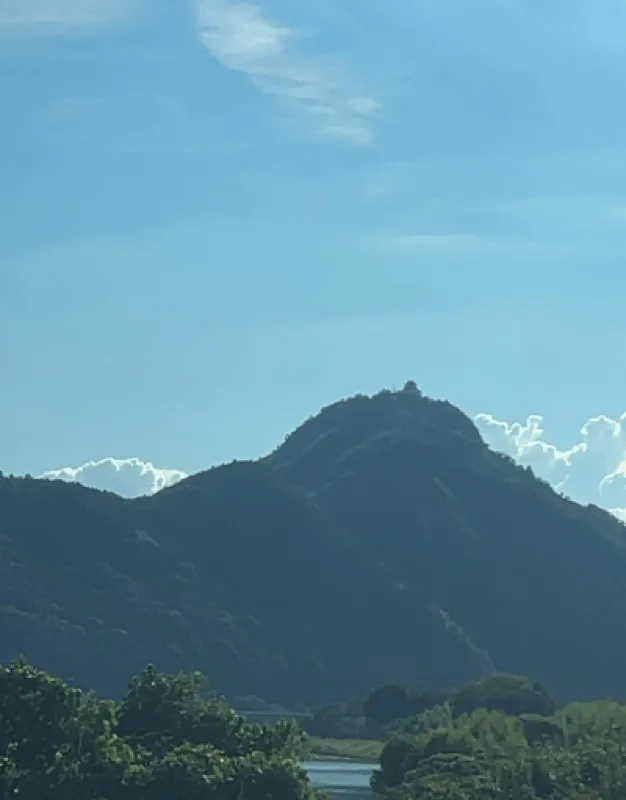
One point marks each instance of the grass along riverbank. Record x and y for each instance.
(364, 750)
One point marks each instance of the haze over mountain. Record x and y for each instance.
(381, 541)
(592, 469)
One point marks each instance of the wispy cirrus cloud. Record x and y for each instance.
(63, 16)
(467, 244)
(241, 38)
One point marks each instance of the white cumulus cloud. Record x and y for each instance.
(242, 39)
(127, 477)
(62, 16)
(590, 470)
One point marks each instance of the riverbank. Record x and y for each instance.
(358, 750)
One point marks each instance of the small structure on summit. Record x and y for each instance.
(410, 387)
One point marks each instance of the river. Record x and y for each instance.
(341, 779)
(345, 780)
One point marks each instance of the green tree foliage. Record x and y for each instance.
(579, 753)
(167, 738)
(387, 703)
(340, 722)
(394, 707)
(511, 694)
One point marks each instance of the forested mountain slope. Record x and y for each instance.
(381, 541)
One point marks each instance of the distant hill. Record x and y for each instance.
(382, 541)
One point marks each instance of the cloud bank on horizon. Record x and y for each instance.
(127, 477)
(590, 470)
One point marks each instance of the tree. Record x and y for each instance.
(512, 694)
(168, 738)
(387, 703)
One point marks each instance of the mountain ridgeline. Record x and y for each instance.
(382, 542)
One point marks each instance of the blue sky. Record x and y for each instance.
(217, 217)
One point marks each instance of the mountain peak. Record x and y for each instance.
(410, 387)
(361, 419)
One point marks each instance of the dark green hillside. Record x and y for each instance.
(535, 581)
(227, 570)
(383, 541)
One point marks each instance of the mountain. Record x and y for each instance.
(382, 541)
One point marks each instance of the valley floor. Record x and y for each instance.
(361, 750)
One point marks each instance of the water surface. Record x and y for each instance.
(341, 779)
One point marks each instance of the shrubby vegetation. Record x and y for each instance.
(168, 738)
(394, 707)
(498, 738)
(578, 753)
